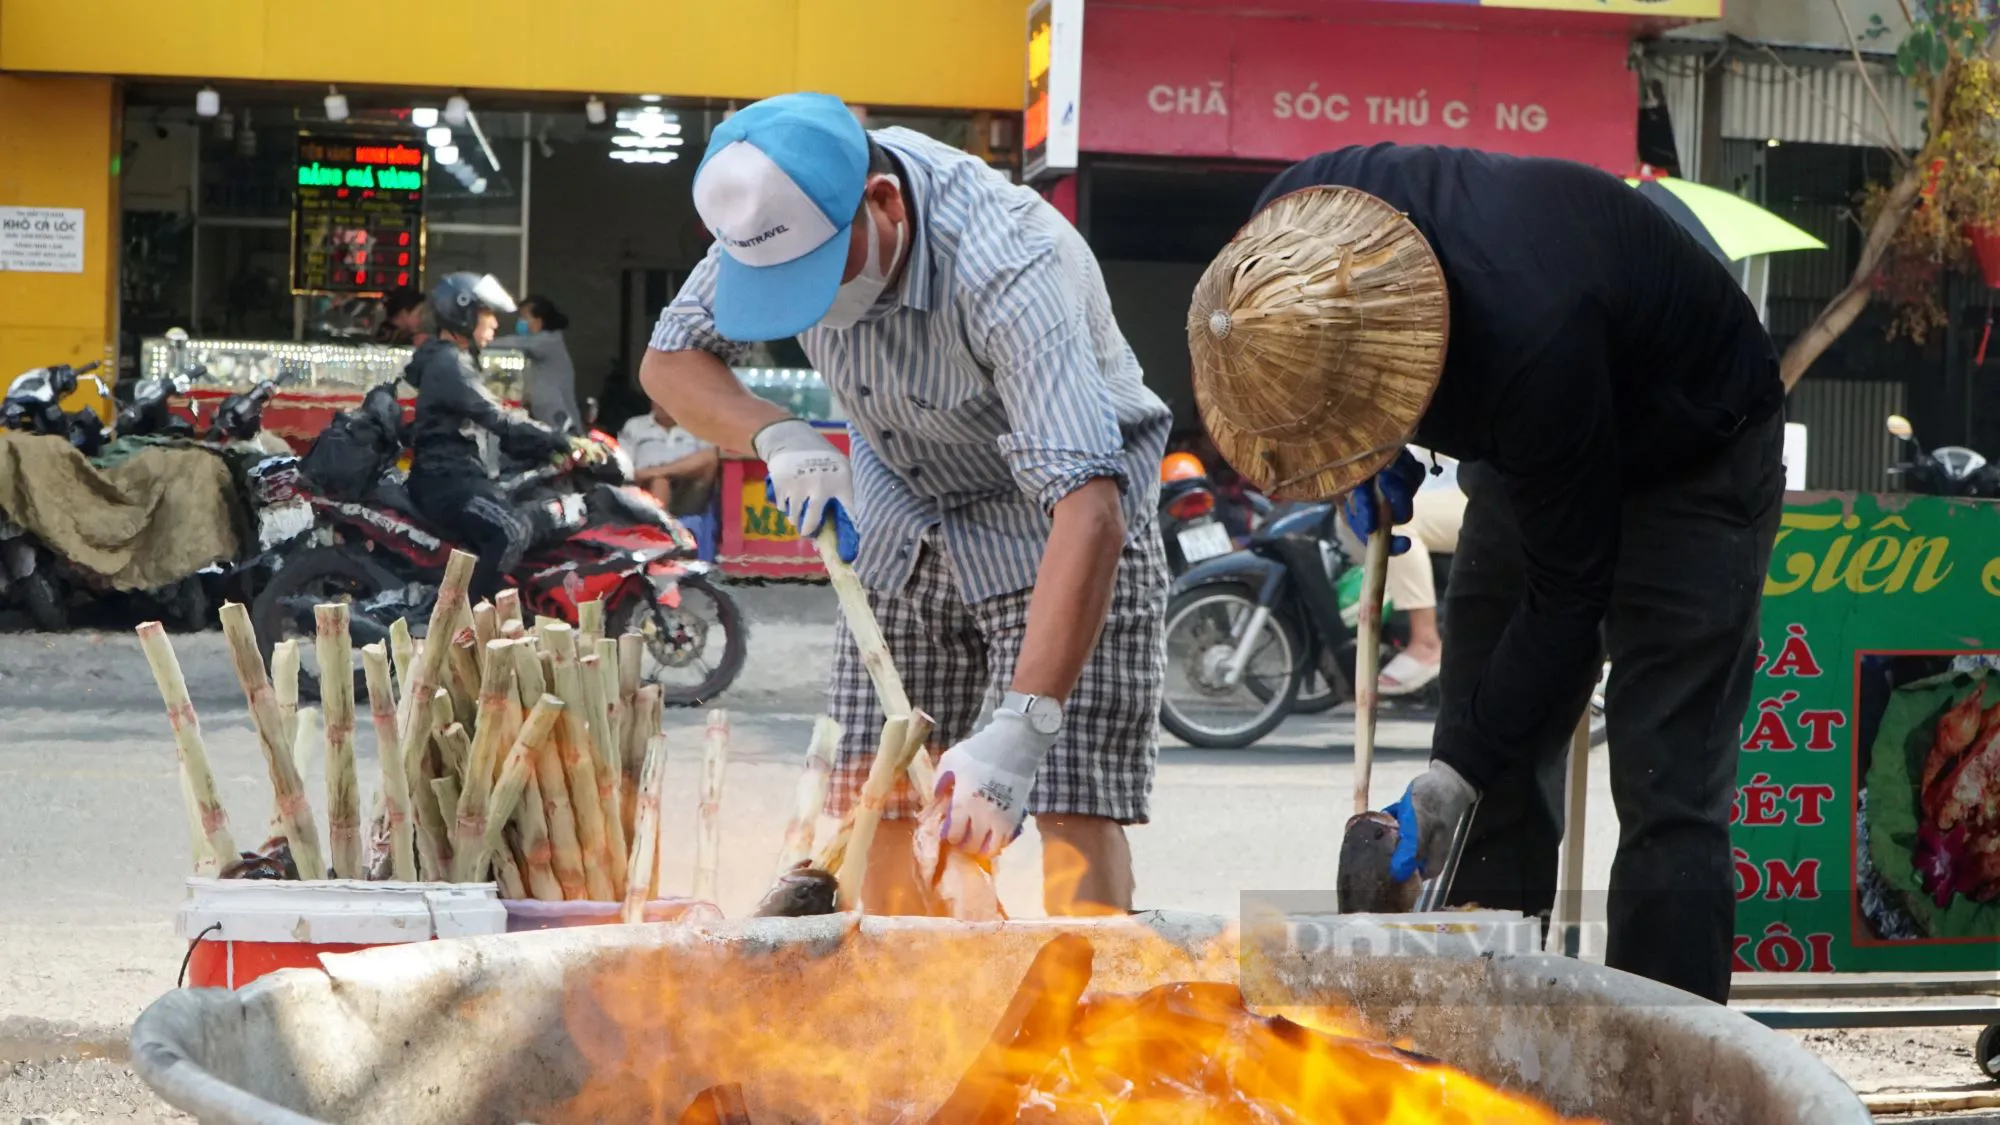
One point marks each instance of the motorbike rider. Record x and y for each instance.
(461, 430)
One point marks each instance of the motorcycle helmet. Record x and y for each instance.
(1181, 466)
(457, 300)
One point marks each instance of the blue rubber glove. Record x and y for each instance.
(1426, 816)
(844, 531)
(1398, 484)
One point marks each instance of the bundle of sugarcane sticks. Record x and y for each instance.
(526, 755)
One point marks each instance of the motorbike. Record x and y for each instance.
(1261, 633)
(34, 405)
(615, 543)
(1189, 526)
(1948, 470)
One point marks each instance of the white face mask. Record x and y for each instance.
(858, 296)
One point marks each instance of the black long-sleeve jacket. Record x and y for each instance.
(1595, 349)
(454, 410)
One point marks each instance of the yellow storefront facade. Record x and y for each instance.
(66, 65)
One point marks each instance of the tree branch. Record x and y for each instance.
(1854, 45)
(1840, 313)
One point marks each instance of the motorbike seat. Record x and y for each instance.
(390, 496)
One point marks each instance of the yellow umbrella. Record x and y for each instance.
(1729, 225)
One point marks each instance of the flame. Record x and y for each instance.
(851, 1031)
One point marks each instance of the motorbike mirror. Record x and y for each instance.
(1899, 426)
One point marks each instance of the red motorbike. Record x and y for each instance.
(617, 544)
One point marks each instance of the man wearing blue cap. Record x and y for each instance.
(1004, 468)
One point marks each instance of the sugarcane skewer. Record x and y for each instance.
(901, 737)
(610, 769)
(208, 819)
(507, 606)
(419, 684)
(403, 651)
(861, 624)
(639, 732)
(579, 760)
(484, 809)
(294, 813)
(645, 858)
(708, 817)
(813, 783)
(343, 789)
(389, 750)
(589, 624)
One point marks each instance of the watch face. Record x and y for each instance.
(1045, 715)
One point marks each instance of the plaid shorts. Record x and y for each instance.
(958, 660)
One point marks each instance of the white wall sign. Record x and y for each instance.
(1050, 116)
(41, 239)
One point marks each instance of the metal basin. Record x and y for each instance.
(517, 1028)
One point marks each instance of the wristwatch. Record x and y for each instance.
(1044, 715)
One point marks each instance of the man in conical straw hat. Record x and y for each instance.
(1617, 408)
(1004, 475)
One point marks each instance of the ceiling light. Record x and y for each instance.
(456, 108)
(645, 156)
(447, 154)
(650, 99)
(207, 103)
(479, 186)
(424, 116)
(336, 104)
(1772, 143)
(438, 136)
(593, 110)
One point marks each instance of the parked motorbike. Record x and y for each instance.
(1189, 527)
(34, 405)
(623, 547)
(1258, 634)
(1948, 470)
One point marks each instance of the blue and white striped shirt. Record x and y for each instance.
(989, 384)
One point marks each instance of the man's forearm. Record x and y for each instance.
(703, 395)
(1072, 591)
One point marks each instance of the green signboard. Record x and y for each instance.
(1866, 828)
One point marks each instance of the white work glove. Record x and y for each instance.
(1426, 817)
(989, 776)
(808, 477)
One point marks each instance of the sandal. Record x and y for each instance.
(1406, 675)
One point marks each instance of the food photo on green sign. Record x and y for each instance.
(1927, 825)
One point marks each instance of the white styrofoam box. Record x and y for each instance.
(337, 911)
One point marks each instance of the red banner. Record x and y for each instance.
(1162, 82)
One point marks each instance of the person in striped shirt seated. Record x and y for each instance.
(998, 501)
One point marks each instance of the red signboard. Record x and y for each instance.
(1179, 83)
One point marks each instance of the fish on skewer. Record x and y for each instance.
(1957, 731)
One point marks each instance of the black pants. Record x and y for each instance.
(471, 510)
(1681, 634)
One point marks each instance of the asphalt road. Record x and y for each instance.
(94, 845)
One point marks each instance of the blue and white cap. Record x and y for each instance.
(778, 188)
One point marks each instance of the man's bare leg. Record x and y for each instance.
(1086, 865)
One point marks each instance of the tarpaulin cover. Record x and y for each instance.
(148, 519)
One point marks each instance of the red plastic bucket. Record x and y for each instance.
(242, 929)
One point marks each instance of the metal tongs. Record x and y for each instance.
(1438, 888)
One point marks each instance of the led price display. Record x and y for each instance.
(357, 215)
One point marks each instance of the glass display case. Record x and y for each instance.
(326, 367)
(797, 389)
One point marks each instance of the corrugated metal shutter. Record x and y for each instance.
(1847, 444)
(1816, 104)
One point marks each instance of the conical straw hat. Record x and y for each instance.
(1318, 335)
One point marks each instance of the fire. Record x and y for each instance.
(844, 1031)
